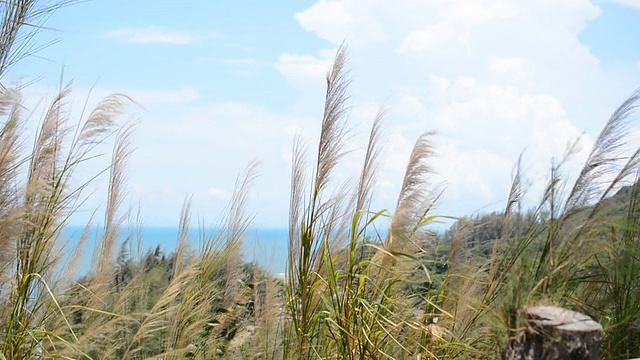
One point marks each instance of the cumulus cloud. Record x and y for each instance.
(302, 69)
(337, 20)
(149, 35)
(494, 78)
(485, 127)
(457, 20)
(510, 67)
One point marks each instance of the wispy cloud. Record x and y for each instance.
(300, 69)
(149, 35)
(217, 193)
(632, 3)
(184, 95)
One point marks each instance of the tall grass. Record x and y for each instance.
(40, 199)
(567, 252)
(349, 298)
(348, 292)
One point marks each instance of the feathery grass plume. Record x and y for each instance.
(297, 204)
(10, 160)
(514, 200)
(46, 151)
(345, 268)
(511, 212)
(210, 294)
(47, 199)
(182, 272)
(42, 206)
(605, 155)
(97, 301)
(100, 122)
(303, 266)
(183, 237)
(104, 255)
(369, 169)
(333, 130)
(10, 146)
(350, 207)
(113, 220)
(415, 201)
(236, 224)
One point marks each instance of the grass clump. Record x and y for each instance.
(350, 291)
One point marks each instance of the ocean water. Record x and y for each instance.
(267, 246)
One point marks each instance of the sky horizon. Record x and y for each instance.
(224, 83)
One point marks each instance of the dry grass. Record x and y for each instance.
(347, 294)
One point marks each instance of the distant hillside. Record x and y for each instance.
(617, 206)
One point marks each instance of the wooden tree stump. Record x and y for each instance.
(555, 333)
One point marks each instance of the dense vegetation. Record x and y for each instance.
(347, 293)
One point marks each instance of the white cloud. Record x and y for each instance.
(482, 129)
(510, 67)
(632, 3)
(485, 127)
(456, 24)
(430, 37)
(336, 21)
(302, 69)
(217, 193)
(494, 78)
(184, 95)
(149, 35)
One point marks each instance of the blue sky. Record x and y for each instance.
(225, 82)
